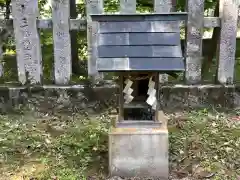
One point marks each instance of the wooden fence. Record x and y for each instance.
(29, 56)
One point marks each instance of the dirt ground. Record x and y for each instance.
(204, 144)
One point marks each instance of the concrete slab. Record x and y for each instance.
(139, 152)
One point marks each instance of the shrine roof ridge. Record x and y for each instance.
(172, 16)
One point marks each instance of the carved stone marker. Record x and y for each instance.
(29, 55)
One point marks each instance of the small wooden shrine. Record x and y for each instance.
(138, 47)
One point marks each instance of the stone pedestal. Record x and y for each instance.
(138, 152)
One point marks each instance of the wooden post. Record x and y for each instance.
(29, 56)
(62, 42)
(161, 6)
(157, 86)
(228, 12)
(127, 6)
(93, 7)
(121, 100)
(194, 32)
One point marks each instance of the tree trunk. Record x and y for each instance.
(8, 10)
(74, 44)
(208, 61)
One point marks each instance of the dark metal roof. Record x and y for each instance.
(174, 16)
(139, 42)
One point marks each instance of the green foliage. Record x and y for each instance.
(47, 41)
(111, 6)
(2, 3)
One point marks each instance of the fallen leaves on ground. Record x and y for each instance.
(203, 145)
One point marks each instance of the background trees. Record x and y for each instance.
(78, 39)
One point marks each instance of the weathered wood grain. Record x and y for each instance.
(229, 17)
(194, 33)
(81, 24)
(93, 7)
(163, 6)
(128, 6)
(75, 24)
(29, 56)
(211, 22)
(62, 44)
(78, 24)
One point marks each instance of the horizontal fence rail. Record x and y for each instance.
(81, 24)
(25, 25)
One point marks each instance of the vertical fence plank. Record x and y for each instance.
(93, 7)
(159, 7)
(29, 57)
(62, 43)
(228, 12)
(128, 6)
(194, 34)
(163, 6)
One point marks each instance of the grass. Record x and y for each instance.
(206, 144)
(57, 146)
(60, 147)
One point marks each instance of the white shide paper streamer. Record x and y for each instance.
(152, 100)
(128, 91)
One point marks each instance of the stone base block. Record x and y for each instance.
(139, 152)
